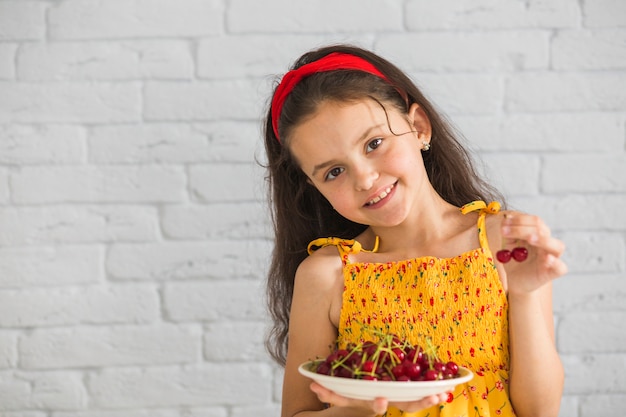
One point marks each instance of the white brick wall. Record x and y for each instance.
(133, 234)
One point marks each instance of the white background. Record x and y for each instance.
(133, 234)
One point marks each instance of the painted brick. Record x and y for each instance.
(136, 144)
(313, 16)
(279, 376)
(582, 376)
(267, 411)
(44, 266)
(557, 92)
(215, 259)
(460, 52)
(23, 414)
(223, 221)
(481, 14)
(39, 391)
(238, 141)
(42, 144)
(92, 19)
(7, 60)
(4, 185)
(604, 13)
(579, 211)
(589, 292)
(99, 184)
(77, 224)
(464, 94)
(590, 50)
(518, 173)
(586, 332)
(124, 413)
(217, 60)
(175, 143)
(198, 385)
(88, 305)
(235, 341)
(569, 406)
(602, 405)
(546, 133)
(22, 20)
(214, 300)
(237, 182)
(125, 60)
(599, 252)
(216, 411)
(69, 103)
(585, 172)
(201, 101)
(8, 349)
(114, 346)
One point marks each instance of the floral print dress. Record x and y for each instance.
(458, 303)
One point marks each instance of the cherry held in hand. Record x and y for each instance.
(519, 253)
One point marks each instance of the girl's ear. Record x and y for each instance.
(419, 120)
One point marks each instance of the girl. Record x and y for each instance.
(380, 218)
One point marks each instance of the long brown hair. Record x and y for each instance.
(300, 213)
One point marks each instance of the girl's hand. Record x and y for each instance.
(376, 407)
(544, 262)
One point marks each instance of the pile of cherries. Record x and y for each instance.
(389, 359)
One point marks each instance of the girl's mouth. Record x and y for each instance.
(380, 196)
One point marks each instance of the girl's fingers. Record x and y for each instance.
(425, 402)
(532, 230)
(378, 405)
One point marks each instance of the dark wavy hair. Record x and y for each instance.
(301, 214)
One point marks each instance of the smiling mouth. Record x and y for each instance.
(381, 196)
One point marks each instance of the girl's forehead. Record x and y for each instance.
(342, 118)
(335, 122)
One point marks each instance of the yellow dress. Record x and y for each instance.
(459, 303)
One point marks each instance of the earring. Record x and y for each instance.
(425, 146)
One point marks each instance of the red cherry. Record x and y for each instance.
(452, 368)
(431, 375)
(368, 366)
(323, 368)
(344, 372)
(519, 254)
(440, 367)
(399, 354)
(398, 371)
(504, 255)
(412, 370)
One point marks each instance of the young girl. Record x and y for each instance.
(381, 219)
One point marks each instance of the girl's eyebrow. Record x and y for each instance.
(323, 165)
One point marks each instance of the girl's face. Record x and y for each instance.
(368, 174)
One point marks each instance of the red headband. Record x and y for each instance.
(332, 62)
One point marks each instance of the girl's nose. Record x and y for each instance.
(365, 177)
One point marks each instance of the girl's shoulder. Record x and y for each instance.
(321, 268)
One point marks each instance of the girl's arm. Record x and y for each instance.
(536, 372)
(317, 289)
(316, 304)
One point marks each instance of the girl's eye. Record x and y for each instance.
(333, 173)
(374, 143)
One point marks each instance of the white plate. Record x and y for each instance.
(392, 390)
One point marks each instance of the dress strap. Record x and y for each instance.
(345, 246)
(483, 209)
